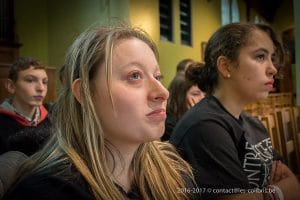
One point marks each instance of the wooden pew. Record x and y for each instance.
(288, 138)
(270, 122)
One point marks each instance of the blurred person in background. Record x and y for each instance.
(184, 94)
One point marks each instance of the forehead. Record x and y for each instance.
(127, 54)
(33, 71)
(194, 88)
(133, 50)
(257, 40)
(129, 43)
(259, 37)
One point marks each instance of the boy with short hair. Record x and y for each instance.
(24, 121)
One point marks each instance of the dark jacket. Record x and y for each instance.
(64, 182)
(16, 134)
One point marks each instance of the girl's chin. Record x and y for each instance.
(154, 136)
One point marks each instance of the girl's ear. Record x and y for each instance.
(76, 90)
(10, 86)
(224, 66)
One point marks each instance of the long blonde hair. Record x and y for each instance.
(78, 138)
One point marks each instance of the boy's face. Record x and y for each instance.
(30, 88)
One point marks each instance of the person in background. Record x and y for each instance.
(109, 116)
(184, 94)
(194, 94)
(24, 121)
(231, 152)
(182, 66)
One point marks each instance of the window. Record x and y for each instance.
(6, 22)
(235, 14)
(185, 22)
(166, 20)
(230, 11)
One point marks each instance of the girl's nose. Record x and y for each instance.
(158, 92)
(272, 69)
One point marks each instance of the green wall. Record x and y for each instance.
(46, 28)
(68, 18)
(32, 28)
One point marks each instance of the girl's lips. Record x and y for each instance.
(269, 85)
(158, 114)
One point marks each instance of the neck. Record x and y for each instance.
(123, 172)
(230, 102)
(25, 110)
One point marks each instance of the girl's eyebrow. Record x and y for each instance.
(264, 50)
(138, 64)
(130, 64)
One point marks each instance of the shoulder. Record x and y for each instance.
(254, 129)
(7, 120)
(191, 188)
(50, 187)
(11, 159)
(208, 109)
(10, 163)
(206, 120)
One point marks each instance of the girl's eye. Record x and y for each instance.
(260, 57)
(135, 76)
(159, 77)
(196, 93)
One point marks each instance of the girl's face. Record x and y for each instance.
(138, 112)
(253, 79)
(193, 96)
